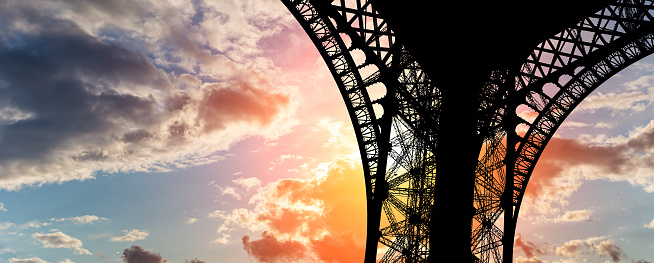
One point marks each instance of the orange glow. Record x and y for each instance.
(325, 214)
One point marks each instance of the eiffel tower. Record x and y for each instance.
(433, 92)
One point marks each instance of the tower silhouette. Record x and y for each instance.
(433, 93)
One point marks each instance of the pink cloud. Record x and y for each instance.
(241, 102)
(530, 249)
(270, 249)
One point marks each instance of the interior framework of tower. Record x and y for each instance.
(433, 91)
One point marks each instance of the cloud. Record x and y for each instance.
(103, 257)
(232, 192)
(139, 87)
(283, 158)
(637, 96)
(240, 217)
(136, 254)
(131, 236)
(338, 247)
(609, 248)
(247, 183)
(223, 239)
(85, 219)
(599, 245)
(333, 128)
(305, 218)
(650, 225)
(61, 240)
(566, 163)
(521, 259)
(27, 260)
(33, 224)
(573, 124)
(66, 260)
(574, 216)
(572, 248)
(6, 225)
(6, 250)
(270, 249)
(604, 125)
(2, 207)
(191, 220)
(530, 249)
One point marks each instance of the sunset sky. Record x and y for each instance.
(175, 130)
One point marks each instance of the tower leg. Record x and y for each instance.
(457, 152)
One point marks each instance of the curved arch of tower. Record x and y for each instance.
(446, 156)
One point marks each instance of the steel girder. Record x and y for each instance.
(394, 109)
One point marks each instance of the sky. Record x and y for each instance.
(212, 131)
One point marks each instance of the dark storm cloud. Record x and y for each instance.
(136, 254)
(60, 76)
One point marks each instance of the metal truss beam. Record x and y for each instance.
(397, 115)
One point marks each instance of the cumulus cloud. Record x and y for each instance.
(190, 220)
(2, 207)
(136, 254)
(146, 86)
(61, 240)
(131, 236)
(302, 219)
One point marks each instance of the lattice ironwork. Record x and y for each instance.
(395, 108)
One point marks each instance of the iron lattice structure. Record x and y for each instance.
(395, 107)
